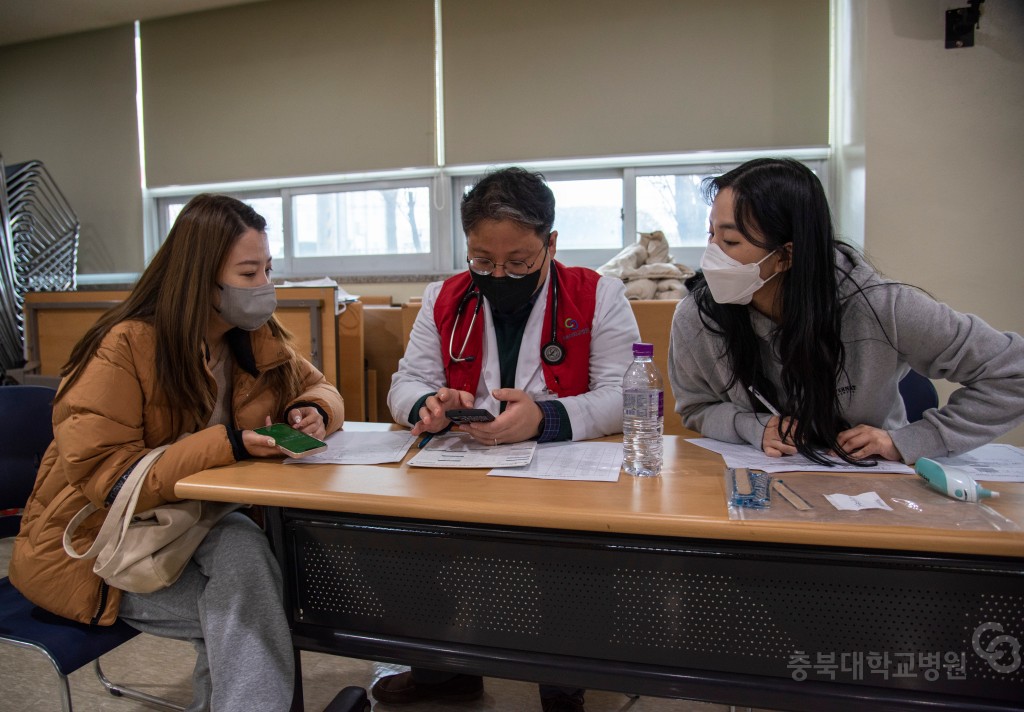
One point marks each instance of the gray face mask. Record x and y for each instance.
(248, 308)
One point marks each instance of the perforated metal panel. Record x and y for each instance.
(705, 606)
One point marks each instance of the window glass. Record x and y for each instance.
(345, 227)
(674, 205)
(362, 222)
(269, 208)
(588, 213)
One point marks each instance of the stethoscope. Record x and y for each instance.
(552, 353)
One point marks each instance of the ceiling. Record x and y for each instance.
(25, 20)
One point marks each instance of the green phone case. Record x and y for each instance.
(290, 439)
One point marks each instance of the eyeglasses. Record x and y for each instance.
(516, 269)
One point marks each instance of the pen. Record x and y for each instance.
(771, 409)
(428, 436)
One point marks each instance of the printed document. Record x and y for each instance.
(360, 447)
(460, 450)
(597, 462)
(753, 458)
(995, 462)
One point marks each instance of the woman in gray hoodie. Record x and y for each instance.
(791, 342)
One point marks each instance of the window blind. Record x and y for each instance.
(282, 89)
(538, 79)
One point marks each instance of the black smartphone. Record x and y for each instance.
(469, 415)
(292, 442)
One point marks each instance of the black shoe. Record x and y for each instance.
(401, 689)
(562, 703)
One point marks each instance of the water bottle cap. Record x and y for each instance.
(642, 349)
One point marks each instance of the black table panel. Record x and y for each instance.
(723, 621)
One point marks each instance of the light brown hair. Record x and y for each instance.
(174, 295)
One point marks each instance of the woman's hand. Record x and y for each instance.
(432, 414)
(308, 420)
(259, 445)
(864, 441)
(772, 442)
(304, 418)
(519, 422)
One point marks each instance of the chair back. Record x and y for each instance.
(26, 429)
(918, 395)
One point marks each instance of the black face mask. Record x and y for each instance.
(505, 294)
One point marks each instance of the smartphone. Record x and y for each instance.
(292, 442)
(469, 415)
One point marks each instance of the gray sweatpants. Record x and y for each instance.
(228, 604)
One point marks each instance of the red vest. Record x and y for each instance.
(577, 297)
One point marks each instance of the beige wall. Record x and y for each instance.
(70, 103)
(944, 134)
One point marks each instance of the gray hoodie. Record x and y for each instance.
(911, 330)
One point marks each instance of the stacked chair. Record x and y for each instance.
(38, 248)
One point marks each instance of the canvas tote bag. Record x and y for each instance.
(147, 551)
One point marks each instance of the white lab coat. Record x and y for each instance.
(593, 414)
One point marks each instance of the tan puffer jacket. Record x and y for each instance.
(109, 419)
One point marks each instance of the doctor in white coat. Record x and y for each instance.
(509, 277)
(541, 346)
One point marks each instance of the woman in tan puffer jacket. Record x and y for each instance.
(193, 358)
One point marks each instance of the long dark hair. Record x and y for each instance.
(780, 201)
(174, 295)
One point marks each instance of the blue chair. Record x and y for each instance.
(25, 421)
(25, 424)
(918, 394)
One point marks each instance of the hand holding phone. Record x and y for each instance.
(292, 442)
(460, 416)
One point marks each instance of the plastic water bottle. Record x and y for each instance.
(643, 412)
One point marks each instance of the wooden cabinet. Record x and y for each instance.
(331, 340)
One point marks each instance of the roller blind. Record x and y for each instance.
(536, 79)
(70, 103)
(288, 88)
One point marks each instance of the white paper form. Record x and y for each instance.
(993, 463)
(596, 462)
(361, 447)
(857, 502)
(460, 450)
(755, 459)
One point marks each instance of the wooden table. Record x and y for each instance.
(642, 585)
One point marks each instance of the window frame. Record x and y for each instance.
(361, 265)
(690, 255)
(579, 257)
(445, 187)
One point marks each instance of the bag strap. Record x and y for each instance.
(121, 511)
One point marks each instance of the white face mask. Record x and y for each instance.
(731, 281)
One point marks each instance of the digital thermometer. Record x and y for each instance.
(951, 481)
